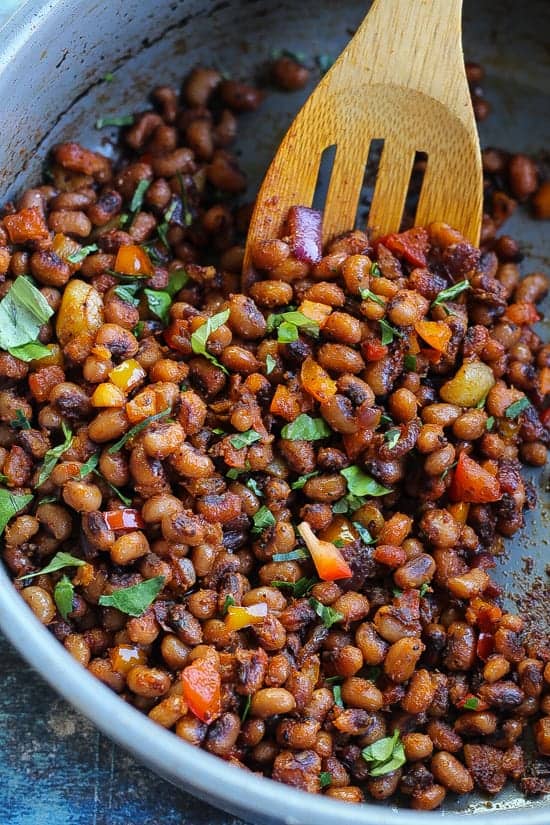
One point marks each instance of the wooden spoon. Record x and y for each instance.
(402, 79)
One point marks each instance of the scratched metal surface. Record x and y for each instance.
(55, 768)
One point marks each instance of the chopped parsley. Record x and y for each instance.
(20, 422)
(22, 313)
(288, 325)
(201, 335)
(270, 364)
(59, 561)
(388, 332)
(471, 703)
(137, 428)
(53, 455)
(337, 693)
(262, 519)
(121, 120)
(10, 504)
(305, 428)
(515, 409)
(245, 439)
(409, 363)
(361, 484)
(325, 779)
(368, 295)
(326, 613)
(490, 423)
(364, 534)
(392, 437)
(63, 596)
(386, 755)
(78, 256)
(294, 555)
(299, 588)
(229, 601)
(450, 293)
(300, 482)
(134, 600)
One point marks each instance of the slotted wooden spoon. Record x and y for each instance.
(400, 79)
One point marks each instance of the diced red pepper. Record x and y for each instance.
(472, 483)
(374, 350)
(26, 225)
(411, 245)
(202, 689)
(485, 645)
(125, 519)
(431, 355)
(522, 312)
(436, 333)
(327, 558)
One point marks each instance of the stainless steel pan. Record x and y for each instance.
(53, 58)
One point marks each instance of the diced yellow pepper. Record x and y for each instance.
(239, 617)
(108, 395)
(54, 359)
(127, 375)
(315, 311)
(142, 406)
(125, 657)
(459, 511)
(64, 246)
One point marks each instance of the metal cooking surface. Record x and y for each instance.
(508, 38)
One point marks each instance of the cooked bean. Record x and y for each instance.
(451, 773)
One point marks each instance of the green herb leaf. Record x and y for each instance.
(481, 403)
(386, 419)
(20, 422)
(396, 591)
(445, 472)
(11, 504)
(386, 755)
(218, 431)
(22, 312)
(139, 194)
(325, 779)
(326, 613)
(287, 333)
(337, 693)
(29, 352)
(138, 329)
(134, 600)
(125, 499)
(514, 410)
(373, 673)
(63, 596)
(270, 364)
(349, 504)
(368, 295)
(263, 519)
(333, 680)
(234, 473)
(229, 601)
(137, 428)
(388, 332)
(295, 555)
(299, 588)
(128, 293)
(89, 465)
(424, 588)
(288, 323)
(177, 280)
(246, 708)
(409, 363)
(451, 292)
(244, 439)
(78, 256)
(490, 423)
(253, 485)
(53, 455)
(375, 270)
(159, 303)
(339, 543)
(361, 484)
(305, 428)
(201, 335)
(324, 61)
(121, 120)
(300, 482)
(59, 561)
(471, 703)
(365, 535)
(392, 437)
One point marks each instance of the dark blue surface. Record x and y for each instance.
(57, 769)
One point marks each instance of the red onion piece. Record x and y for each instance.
(305, 230)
